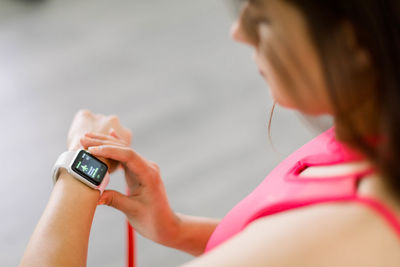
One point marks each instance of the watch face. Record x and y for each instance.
(89, 167)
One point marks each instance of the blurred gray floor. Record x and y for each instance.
(192, 98)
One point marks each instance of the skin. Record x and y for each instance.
(341, 235)
(280, 26)
(66, 221)
(147, 207)
(63, 219)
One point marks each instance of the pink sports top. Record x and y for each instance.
(283, 190)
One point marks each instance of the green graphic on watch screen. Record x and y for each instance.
(90, 166)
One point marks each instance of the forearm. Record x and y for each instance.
(193, 233)
(62, 234)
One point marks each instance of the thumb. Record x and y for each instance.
(116, 200)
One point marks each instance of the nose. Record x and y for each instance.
(238, 34)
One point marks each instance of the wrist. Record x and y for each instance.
(170, 233)
(70, 184)
(193, 233)
(176, 235)
(76, 145)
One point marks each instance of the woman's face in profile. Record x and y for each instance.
(284, 54)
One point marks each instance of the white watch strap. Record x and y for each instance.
(104, 183)
(65, 160)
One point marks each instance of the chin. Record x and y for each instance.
(281, 100)
(309, 109)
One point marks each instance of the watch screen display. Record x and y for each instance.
(89, 167)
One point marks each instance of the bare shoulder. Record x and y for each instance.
(335, 234)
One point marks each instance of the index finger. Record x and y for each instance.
(122, 154)
(105, 137)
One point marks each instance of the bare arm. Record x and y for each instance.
(332, 234)
(62, 234)
(193, 233)
(147, 207)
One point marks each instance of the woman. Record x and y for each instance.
(334, 202)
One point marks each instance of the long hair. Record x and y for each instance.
(366, 103)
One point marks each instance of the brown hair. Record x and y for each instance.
(366, 102)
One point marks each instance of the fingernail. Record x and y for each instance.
(101, 202)
(93, 148)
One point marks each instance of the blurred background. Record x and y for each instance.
(193, 99)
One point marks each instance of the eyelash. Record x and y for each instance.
(261, 20)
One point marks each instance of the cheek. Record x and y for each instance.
(291, 88)
(265, 58)
(277, 89)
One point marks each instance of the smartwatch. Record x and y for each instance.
(85, 167)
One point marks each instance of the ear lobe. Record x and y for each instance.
(359, 55)
(362, 58)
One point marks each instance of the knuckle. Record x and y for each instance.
(156, 180)
(99, 116)
(84, 112)
(154, 166)
(113, 118)
(129, 134)
(131, 154)
(126, 137)
(112, 199)
(153, 172)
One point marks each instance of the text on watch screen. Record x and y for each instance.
(90, 167)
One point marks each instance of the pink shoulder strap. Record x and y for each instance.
(380, 208)
(384, 211)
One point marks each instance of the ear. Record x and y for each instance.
(353, 48)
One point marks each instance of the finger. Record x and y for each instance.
(119, 201)
(114, 133)
(125, 135)
(103, 137)
(122, 154)
(84, 113)
(88, 142)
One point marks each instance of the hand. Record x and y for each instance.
(85, 121)
(146, 206)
